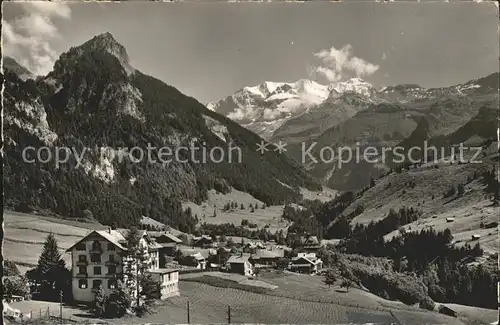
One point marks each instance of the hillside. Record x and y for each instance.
(427, 189)
(25, 234)
(97, 104)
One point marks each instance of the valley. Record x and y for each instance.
(272, 237)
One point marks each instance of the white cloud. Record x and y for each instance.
(28, 38)
(335, 64)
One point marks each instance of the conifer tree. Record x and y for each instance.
(99, 302)
(51, 270)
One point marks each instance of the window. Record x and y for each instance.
(111, 269)
(82, 284)
(111, 247)
(96, 284)
(95, 258)
(168, 277)
(111, 284)
(111, 257)
(81, 246)
(82, 258)
(82, 270)
(96, 246)
(97, 270)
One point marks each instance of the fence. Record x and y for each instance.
(41, 316)
(196, 312)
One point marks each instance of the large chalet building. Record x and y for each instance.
(100, 259)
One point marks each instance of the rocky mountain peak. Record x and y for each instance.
(12, 65)
(106, 42)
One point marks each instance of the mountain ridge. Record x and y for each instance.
(93, 100)
(265, 113)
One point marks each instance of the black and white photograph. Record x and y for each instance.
(206, 162)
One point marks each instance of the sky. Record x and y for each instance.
(210, 50)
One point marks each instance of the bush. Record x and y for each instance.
(384, 294)
(427, 303)
(118, 302)
(100, 299)
(15, 286)
(10, 268)
(377, 276)
(437, 292)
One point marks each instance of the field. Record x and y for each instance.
(487, 316)
(209, 304)
(25, 234)
(270, 216)
(301, 299)
(466, 223)
(324, 196)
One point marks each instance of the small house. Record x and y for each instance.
(203, 242)
(222, 256)
(267, 257)
(447, 311)
(192, 258)
(307, 263)
(251, 247)
(163, 237)
(166, 250)
(240, 264)
(168, 280)
(198, 261)
(476, 237)
(311, 244)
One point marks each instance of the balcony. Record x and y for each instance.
(82, 275)
(111, 275)
(96, 250)
(108, 263)
(82, 263)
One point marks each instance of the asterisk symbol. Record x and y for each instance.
(280, 147)
(262, 147)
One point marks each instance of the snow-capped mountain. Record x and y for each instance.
(275, 109)
(266, 107)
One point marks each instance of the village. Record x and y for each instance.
(168, 256)
(101, 260)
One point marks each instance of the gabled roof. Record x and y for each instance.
(197, 256)
(203, 238)
(238, 259)
(112, 236)
(125, 232)
(263, 253)
(155, 246)
(164, 245)
(158, 234)
(311, 240)
(306, 259)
